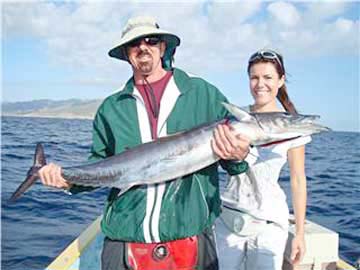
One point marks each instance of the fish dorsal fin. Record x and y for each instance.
(239, 113)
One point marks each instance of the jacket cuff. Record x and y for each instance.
(234, 167)
(77, 189)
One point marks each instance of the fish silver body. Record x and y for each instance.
(154, 162)
(179, 154)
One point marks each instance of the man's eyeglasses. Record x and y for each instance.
(151, 41)
(267, 55)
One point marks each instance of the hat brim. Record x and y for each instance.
(119, 51)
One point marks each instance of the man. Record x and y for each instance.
(167, 225)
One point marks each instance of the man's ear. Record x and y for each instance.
(125, 52)
(162, 48)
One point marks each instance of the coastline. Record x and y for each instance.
(60, 116)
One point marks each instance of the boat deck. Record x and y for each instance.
(85, 251)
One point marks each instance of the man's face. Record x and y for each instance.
(145, 54)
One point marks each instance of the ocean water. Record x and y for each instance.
(44, 221)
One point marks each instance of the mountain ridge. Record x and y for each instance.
(69, 108)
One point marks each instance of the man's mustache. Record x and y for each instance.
(143, 53)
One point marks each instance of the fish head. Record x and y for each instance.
(271, 126)
(282, 122)
(286, 125)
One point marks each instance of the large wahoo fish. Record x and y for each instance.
(179, 154)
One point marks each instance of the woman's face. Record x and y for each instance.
(264, 83)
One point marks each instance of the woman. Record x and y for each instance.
(253, 228)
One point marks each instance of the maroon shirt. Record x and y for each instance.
(158, 89)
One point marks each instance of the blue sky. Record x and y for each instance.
(58, 49)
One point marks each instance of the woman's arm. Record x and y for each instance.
(296, 157)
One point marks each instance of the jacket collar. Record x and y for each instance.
(180, 77)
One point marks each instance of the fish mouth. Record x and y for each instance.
(311, 128)
(320, 128)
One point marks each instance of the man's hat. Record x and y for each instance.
(138, 27)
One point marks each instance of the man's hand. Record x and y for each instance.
(228, 145)
(50, 175)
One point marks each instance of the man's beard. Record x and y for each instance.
(145, 66)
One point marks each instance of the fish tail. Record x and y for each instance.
(32, 174)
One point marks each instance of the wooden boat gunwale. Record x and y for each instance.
(72, 252)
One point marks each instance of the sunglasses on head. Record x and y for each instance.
(151, 41)
(267, 55)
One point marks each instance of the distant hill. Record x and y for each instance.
(71, 108)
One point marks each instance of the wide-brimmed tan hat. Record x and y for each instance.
(140, 27)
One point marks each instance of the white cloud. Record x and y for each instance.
(322, 10)
(214, 34)
(344, 25)
(342, 37)
(236, 13)
(284, 13)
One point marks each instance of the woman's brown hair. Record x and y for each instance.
(278, 63)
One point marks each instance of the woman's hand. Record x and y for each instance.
(297, 249)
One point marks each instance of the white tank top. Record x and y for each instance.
(257, 191)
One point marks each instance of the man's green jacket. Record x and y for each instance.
(176, 209)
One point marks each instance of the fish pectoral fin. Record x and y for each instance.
(239, 113)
